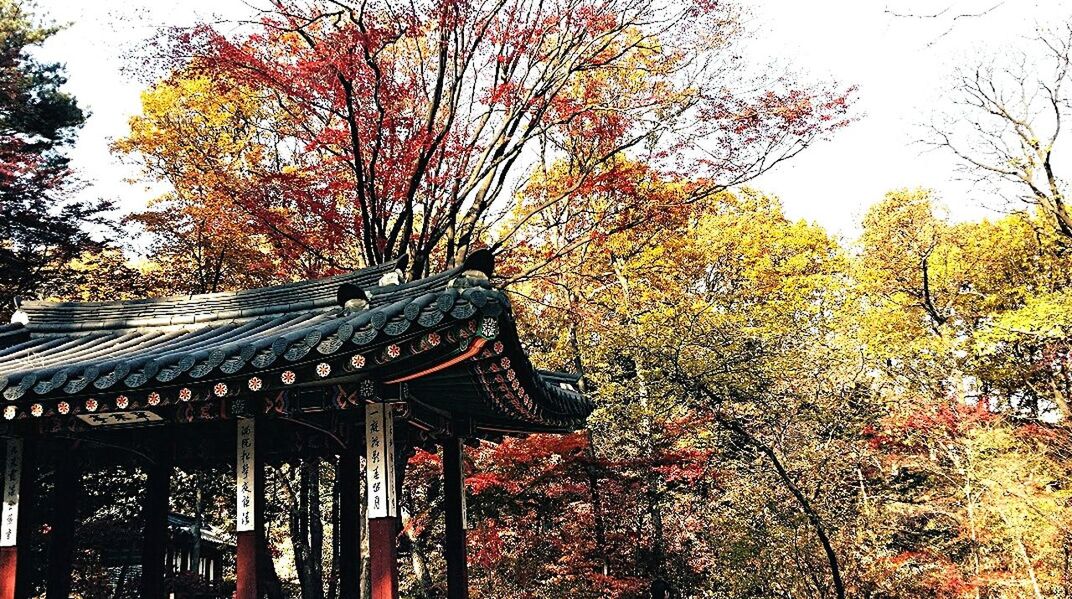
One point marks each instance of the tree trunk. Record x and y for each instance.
(316, 528)
(798, 495)
(599, 521)
(348, 476)
(121, 582)
(366, 563)
(306, 530)
(297, 532)
(268, 581)
(419, 561)
(1032, 576)
(195, 528)
(269, 578)
(333, 567)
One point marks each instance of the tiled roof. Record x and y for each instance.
(186, 310)
(67, 359)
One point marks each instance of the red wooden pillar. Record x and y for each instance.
(9, 557)
(454, 503)
(383, 558)
(14, 481)
(349, 529)
(245, 515)
(382, 502)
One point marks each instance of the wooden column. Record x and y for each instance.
(68, 488)
(268, 584)
(246, 524)
(382, 502)
(154, 539)
(24, 569)
(14, 480)
(454, 504)
(349, 528)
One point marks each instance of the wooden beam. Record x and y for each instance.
(454, 503)
(68, 489)
(156, 508)
(382, 500)
(246, 522)
(349, 527)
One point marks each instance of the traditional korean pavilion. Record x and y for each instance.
(193, 572)
(359, 365)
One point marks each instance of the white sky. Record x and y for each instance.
(900, 64)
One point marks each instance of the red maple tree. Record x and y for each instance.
(407, 128)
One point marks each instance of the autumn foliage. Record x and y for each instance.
(781, 412)
(352, 133)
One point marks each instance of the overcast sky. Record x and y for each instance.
(899, 53)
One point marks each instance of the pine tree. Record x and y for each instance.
(40, 228)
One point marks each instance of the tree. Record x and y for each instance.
(404, 129)
(40, 232)
(202, 136)
(706, 329)
(329, 135)
(911, 271)
(969, 308)
(961, 326)
(1008, 118)
(974, 504)
(944, 18)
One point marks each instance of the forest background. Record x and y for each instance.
(781, 412)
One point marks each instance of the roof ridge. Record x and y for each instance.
(192, 297)
(50, 317)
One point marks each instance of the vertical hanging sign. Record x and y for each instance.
(380, 457)
(12, 479)
(465, 502)
(245, 475)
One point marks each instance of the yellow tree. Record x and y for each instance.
(963, 327)
(202, 138)
(910, 274)
(1021, 348)
(720, 315)
(971, 308)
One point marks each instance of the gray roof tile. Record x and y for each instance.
(71, 348)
